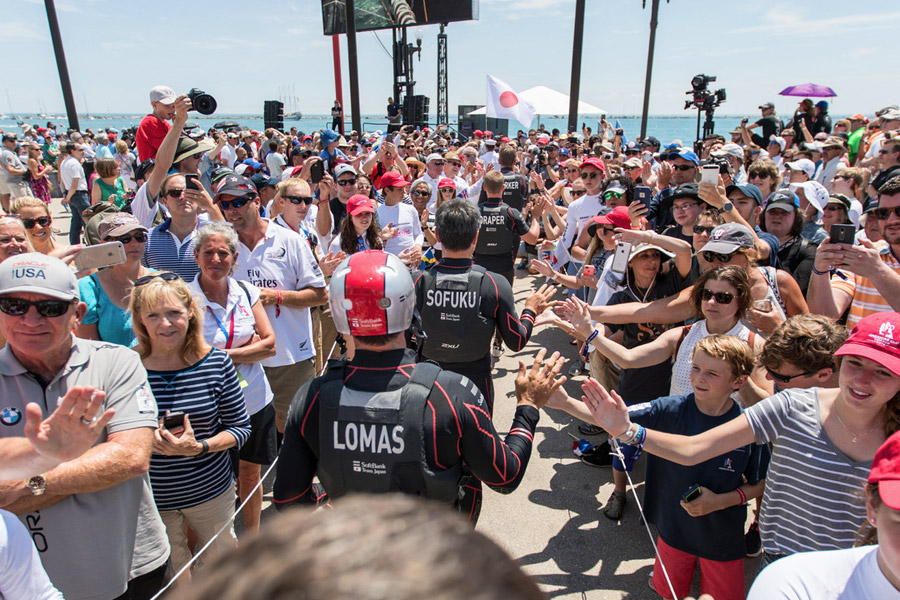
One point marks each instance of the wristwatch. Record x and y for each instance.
(727, 207)
(37, 485)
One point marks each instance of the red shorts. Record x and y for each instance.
(723, 580)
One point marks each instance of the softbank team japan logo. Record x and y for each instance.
(357, 466)
(10, 416)
(886, 330)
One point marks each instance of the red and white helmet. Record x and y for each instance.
(372, 293)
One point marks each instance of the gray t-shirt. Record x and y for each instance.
(8, 158)
(92, 544)
(814, 496)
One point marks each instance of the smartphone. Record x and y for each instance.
(192, 181)
(693, 493)
(316, 171)
(588, 270)
(643, 194)
(763, 305)
(174, 420)
(710, 174)
(99, 256)
(620, 258)
(842, 234)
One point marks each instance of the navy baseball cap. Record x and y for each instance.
(749, 190)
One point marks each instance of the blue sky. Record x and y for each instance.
(244, 53)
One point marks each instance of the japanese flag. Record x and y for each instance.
(503, 103)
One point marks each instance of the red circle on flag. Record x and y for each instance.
(508, 100)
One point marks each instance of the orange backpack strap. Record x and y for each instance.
(685, 329)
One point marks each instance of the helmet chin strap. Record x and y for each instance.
(418, 333)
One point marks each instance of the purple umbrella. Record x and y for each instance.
(811, 90)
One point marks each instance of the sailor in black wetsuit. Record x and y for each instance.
(501, 226)
(462, 305)
(381, 423)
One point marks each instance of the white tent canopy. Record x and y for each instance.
(550, 102)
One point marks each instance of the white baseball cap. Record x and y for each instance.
(164, 94)
(37, 273)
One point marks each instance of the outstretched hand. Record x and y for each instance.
(577, 312)
(608, 408)
(535, 387)
(541, 299)
(72, 428)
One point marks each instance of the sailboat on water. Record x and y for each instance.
(291, 103)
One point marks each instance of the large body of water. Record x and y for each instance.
(664, 127)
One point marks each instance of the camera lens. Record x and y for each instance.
(202, 102)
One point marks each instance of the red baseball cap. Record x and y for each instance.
(617, 217)
(358, 204)
(392, 179)
(504, 139)
(478, 133)
(488, 133)
(886, 471)
(594, 162)
(446, 182)
(876, 337)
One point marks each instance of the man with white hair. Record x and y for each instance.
(734, 154)
(434, 172)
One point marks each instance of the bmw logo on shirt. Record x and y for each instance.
(10, 416)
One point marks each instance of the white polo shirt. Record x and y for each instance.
(406, 219)
(282, 260)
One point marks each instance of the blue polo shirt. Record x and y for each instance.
(164, 252)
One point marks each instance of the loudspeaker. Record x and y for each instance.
(273, 114)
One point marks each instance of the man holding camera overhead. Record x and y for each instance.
(153, 127)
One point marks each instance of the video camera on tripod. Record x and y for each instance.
(706, 101)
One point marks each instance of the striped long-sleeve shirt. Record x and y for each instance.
(209, 393)
(814, 496)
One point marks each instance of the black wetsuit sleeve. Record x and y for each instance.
(296, 460)
(514, 331)
(460, 411)
(518, 222)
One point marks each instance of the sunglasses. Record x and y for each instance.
(683, 167)
(445, 190)
(844, 177)
(421, 193)
(45, 308)
(148, 278)
(700, 229)
(236, 203)
(139, 236)
(757, 175)
(721, 297)
(174, 192)
(632, 168)
(591, 175)
(713, 256)
(345, 182)
(611, 195)
(833, 207)
(42, 221)
(786, 378)
(882, 213)
(299, 199)
(578, 193)
(608, 230)
(437, 163)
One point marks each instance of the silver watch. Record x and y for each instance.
(37, 485)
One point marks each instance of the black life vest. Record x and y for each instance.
(450, 305)
(374, 442)
(495, 237)
(515, 190)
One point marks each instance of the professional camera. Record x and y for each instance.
(705, 101)
(202, 102)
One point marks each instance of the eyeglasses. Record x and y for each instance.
(578, 193)
(17, 307)
(683, 167)
(175, 192)
(786, 378)
(591, 175)
(422, 193)
(571, 170)
(345, 182)
(236, 203)
(882, 213)
(713, 256)
(139, 236)
(757, 175)
(700, 229)
(721, 297)
(298, 199)
(148, 278)
(42, 221)
(681, 207)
